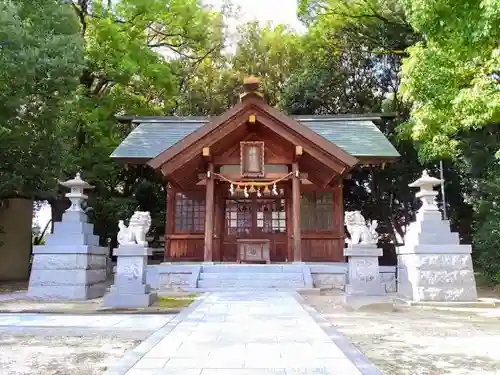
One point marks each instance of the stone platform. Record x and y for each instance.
(278, 276)
(433, 265)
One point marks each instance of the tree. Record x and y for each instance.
(352, 57)
(271, 53)
(452, 78)
(40, 60)
(138, 56)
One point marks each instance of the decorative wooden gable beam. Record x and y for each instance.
(205, 152)
(314, 150)
(193, 150)
(309, 134)
(192, 138)
(299, 150)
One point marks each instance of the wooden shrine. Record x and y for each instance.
(254, 184)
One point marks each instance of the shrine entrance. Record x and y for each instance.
(261, 219)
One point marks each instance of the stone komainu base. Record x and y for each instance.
(363, 272)
(130, 289)
(71, 265)
(433, 266)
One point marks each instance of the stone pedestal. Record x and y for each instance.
(363, 275)
(433, 266)
(130, 289)
(71, 265)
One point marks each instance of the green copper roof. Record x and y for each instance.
(359, 137)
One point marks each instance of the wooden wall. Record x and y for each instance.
(326, 245)
(181, 246)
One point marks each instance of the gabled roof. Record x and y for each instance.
(356, 135)
(221, 127)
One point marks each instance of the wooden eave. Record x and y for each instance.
(132, 161)
(192, 138)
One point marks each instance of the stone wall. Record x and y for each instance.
(15, 250)
(333, 276)
(165, 276)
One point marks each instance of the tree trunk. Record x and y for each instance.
(58, 206)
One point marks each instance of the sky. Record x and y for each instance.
(274, 11)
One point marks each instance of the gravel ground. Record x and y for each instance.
(61, 355)
(418, 342)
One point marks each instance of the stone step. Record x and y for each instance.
(426, 238)
(251, 268)
(166, 292)
(293, 284)
(252, 276)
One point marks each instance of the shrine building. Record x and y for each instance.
(254, 184)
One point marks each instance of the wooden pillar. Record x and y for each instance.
(296, 227)
(338, 222)
(169, 219)
(208, 255)
(218, 223)
(289, 225)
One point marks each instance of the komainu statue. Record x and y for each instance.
(359, 230)
(138, 227)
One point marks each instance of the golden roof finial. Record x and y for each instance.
(251, 85)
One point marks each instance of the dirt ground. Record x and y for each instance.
(60, 355)
(416, 341)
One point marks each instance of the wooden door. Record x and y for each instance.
(255, 218)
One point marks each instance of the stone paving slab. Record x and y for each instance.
(243, 333)
(126, 325)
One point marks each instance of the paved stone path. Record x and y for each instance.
(245, 333)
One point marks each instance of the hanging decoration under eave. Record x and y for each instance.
(249, 187)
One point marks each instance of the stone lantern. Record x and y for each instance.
(76, 194)
(70, 265)
(432, 264)
(427, 194)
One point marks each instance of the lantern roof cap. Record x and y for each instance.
(76, 182)
(426, 180)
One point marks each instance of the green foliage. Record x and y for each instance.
(68, 69)
(350, 65)
(487, 237)
(452, 79)
(40, 61)
(480, 179)
(137, 55)
(271, 54)
(379, 25)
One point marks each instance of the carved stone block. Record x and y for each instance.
(363, 272)
(130, 289)
(68, 262)
(329, 280)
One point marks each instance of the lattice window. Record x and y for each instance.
(271, 215)
(189, 213)
(316, 211)
(239, 217)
